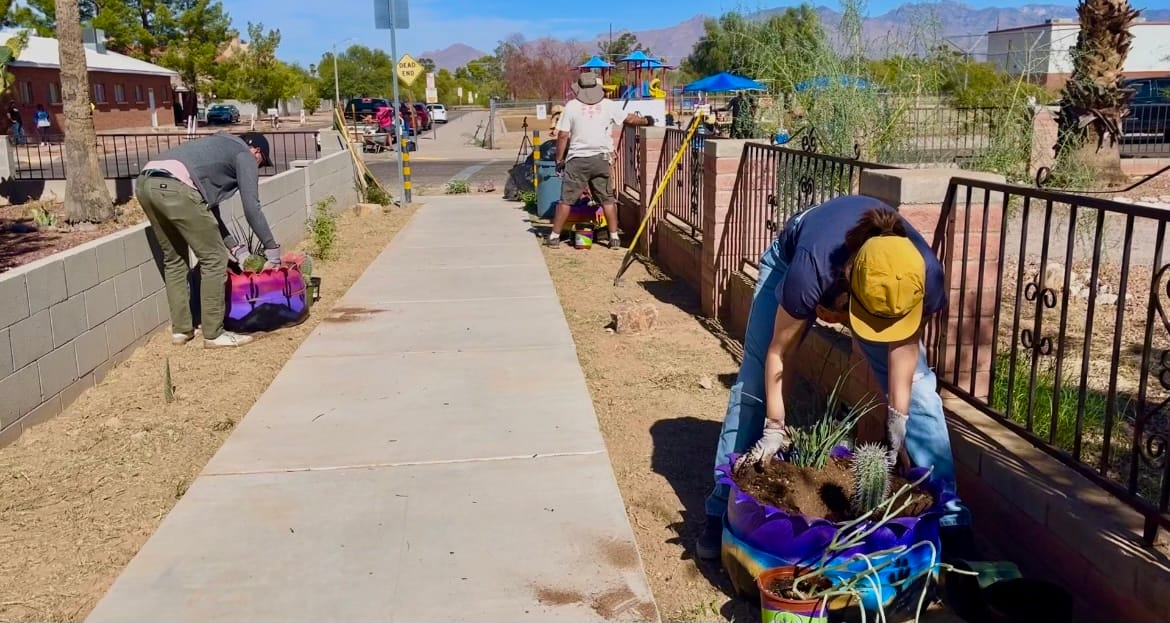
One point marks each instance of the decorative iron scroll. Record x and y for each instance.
(809, 142)
(1150, 424)
(1043, 298)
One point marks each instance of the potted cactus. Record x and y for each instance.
(795, 509)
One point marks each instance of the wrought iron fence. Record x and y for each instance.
(1146, 131)
(943, 134)
(123, 155)
(631, 161)
(1071, 303)
(773, 185)
(683, 197)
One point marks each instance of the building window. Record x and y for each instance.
(54, 93)
(26, 93)
(99, 93)
(119, 94)
(138, 94)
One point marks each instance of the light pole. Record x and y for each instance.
(336, 82)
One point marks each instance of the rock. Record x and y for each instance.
(706, 382)
(1054, 275)
(1106, 299)
(86, 227)
(367, 209)
(634, 318)
(113, 422)
(487, 187)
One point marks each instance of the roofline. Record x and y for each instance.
(1070, 23)
(57, 66)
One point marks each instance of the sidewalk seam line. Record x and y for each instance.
(469, 300)
(335, 468)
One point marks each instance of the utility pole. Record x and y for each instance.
(336, 82)
(402, 140)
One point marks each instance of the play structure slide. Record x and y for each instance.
(655, 89)
(648, 90)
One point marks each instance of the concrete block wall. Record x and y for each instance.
(67, 319)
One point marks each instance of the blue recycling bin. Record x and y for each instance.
(548, 189)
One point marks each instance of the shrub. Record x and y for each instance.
(323, 229)
(458, 187)
(528, 198)
(375, 194)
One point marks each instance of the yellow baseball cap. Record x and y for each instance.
(888, 285)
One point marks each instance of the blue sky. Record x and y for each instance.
(309, 27)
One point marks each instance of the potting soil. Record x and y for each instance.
(817, 492)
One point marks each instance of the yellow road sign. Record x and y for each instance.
(408, 69)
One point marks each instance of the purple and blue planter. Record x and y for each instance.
(758, 536)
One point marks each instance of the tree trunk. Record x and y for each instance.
(86, 196)
(1105, 163)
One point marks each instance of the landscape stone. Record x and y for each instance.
(634, 318)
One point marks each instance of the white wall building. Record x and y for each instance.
(1043, 54)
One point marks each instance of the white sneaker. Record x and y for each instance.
(180, 339)
(227, 339)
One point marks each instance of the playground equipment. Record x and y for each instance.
(641, 87)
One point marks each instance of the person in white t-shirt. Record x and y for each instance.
(585, 151)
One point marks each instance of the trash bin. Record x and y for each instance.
(548, 190)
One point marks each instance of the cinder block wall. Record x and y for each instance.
(67, 319)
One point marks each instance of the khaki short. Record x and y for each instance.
(591, 171)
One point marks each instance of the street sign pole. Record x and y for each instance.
(397, 102)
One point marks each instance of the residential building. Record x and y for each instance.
(1043, 53)
(126, 92)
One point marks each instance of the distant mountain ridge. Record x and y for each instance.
(900, 30)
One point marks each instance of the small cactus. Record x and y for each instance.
(307, 266)
(168, 385)
(871, 477)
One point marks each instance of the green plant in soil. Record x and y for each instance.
(871, 477)
(528, 198)
(323, 229)
(458, 187)
(43, 218)
(813, 443)
(375, 194)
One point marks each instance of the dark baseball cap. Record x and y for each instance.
(257, 140)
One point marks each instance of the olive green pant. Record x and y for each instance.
(182, 221)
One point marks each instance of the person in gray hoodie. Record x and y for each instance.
(181, 190)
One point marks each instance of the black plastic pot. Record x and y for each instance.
(314, 289)
(1025, 600)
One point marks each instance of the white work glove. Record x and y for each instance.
(241, 254)
(896, 432)
(272, 257)
(774, 440)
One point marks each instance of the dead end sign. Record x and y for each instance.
(408, 69)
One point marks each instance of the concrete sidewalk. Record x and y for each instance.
(430, 453)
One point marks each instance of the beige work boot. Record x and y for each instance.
(227, 339)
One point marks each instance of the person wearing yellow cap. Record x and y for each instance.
(851, 260)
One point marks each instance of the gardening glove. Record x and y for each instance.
(774, 441)
(896, 422)
(240, 254)
(272, 257)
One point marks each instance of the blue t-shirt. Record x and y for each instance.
(814, 243)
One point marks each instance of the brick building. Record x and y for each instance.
(126, 92)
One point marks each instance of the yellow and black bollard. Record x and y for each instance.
(535, 159)
(405, 172)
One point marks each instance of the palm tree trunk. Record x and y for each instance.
(87, 199)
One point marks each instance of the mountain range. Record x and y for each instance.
(962, 25)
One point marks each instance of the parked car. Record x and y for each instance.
(438, 112)
(223, 113)
(359, 107)
(424, 117)
(1149, 110)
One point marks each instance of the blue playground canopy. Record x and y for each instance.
(595, 63)
(823, 82)
(723, 82)
(637, 56)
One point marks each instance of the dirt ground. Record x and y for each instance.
(22, 241)
(660, 399)
(81, 493)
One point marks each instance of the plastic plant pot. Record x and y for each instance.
(314, 289)
(775, 608)
(759, 536)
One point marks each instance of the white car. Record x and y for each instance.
(438, 113)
